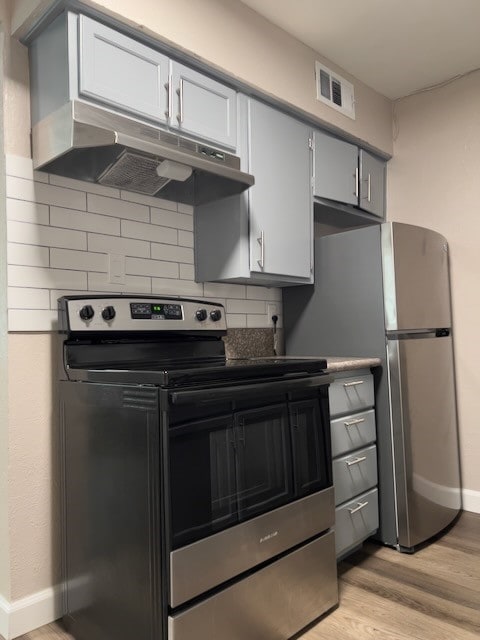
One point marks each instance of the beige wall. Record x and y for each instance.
(34, 503)
(4, 541)
(235, 39)
(433, 181)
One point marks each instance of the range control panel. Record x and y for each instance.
(142, 313)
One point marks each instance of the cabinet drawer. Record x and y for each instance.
(352, 432)
(348, 395)
(355, 521)
(354, 473)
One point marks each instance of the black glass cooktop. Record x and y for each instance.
(191, 372)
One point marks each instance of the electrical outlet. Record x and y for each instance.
(116, 268)
(272, 310)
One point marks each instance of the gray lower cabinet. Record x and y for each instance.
(263, 236)
(354, 452)
(344, 173)
(76, 57)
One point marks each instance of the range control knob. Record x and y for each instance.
(108, 314)
(87, 313)
(201, 315)
(215, 315)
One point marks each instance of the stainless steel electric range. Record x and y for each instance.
(198, 499)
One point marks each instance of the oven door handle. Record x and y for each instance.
(216, 394)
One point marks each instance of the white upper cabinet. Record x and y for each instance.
(344, 173)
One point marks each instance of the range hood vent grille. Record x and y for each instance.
(134, 172)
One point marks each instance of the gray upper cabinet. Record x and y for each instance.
(335, 169)
(119, 71)
(280, 203)
(78, 58)
(263, 236)
(202, 107)
(344, 173)
(372, 183)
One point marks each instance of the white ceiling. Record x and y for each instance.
(395, 46)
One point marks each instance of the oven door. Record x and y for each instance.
(249, 478)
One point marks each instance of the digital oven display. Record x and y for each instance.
(155, 311)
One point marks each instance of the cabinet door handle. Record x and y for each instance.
(350, 463)
(356, 182)
(261, 242)
(353, 384)
(351, 423)
(168, 87)
(361, 505)
(369, 188)
(180, 102)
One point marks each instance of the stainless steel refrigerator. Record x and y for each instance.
(384, 291)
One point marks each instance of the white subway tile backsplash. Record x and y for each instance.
(91, 187)
(149, 201)
(133, 284)
(83, 221)
(156, 268)
(185, 239)
(78, 260)
(272, 294)
(25, 211)
(26, 298)
(46, 278)
(60, 232)
(23, 189)
(171, 287)
(187, 272)
(173, 253)
(185, 208)
(216, 290)
(32, 320)
(121, 246)
(172, 219)
(246, 306)
(117, 208)
(144, 231)
(45, 236)
(236, 321)
(27, 254)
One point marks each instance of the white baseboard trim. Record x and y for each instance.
(24, 615)
(4, 611)
(471, 500)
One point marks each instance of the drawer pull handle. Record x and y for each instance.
(353, 384)
(352, 423)
(361, 505)
(356, 461)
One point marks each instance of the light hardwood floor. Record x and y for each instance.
(384, 595)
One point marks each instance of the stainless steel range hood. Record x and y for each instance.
(89, 143)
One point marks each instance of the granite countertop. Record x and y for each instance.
(338, 363)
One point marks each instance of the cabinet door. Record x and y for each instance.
(372, 184)
(335, 169)
(280, 204)
(203, 107)
(263, 460)
(121, 72)
(311, 459)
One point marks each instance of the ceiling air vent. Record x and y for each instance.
(334, 90)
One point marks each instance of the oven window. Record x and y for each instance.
(227, 469)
